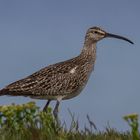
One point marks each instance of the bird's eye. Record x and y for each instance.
(95, 32)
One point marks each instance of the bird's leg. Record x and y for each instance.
(55, 112)
(46, 106)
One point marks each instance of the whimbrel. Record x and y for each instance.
(63, 80)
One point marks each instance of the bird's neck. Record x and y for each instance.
(89, 50)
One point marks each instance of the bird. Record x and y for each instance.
(63, 80)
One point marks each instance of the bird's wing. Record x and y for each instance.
(50, 80)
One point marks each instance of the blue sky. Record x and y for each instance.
(34, 34)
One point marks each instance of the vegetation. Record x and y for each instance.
(27, 122)
(132, 121)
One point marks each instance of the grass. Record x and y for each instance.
(27, 122)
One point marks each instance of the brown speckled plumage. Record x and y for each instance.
(54, 80)
(62, 80)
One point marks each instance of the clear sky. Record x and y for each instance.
(34, 34)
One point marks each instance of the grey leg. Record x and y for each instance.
(46, 106)
(56, 110)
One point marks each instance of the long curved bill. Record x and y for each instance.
(118, 37)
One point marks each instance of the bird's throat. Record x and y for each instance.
(89, 50)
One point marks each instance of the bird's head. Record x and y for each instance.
(95, 34)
